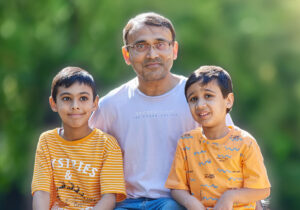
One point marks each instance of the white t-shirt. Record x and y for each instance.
(147, 129)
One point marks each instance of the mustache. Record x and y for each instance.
(156, 60)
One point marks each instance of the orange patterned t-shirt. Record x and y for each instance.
(207, 168)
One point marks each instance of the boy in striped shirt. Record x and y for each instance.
(76, 167)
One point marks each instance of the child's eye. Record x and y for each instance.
(83, 98)
(66, 98)
(193, 99)
(207, 96)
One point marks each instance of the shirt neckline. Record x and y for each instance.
(220, 140)
(174, 89)
(64, 141)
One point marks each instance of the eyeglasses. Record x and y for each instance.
(142, 47)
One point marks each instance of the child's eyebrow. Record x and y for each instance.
(209, 90)
(190, 94)
(206, 89)
(81, 93)
(64, 93)
(86, 93)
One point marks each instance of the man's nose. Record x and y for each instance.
(152, 52)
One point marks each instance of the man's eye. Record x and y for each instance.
(161, 45)
(66, 98)
(83, 98)
(140, 46)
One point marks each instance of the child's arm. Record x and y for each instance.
(187, 200)
(107, 202)
(41, 200)
(258, 205)
(243, 195)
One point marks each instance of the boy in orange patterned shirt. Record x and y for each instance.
(76, 167)
(216, 166)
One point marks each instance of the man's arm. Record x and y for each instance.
(107, 202)
(41, 200)
(187, 200)
(243, 195)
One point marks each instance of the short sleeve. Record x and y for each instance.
(255, 173)
(112, 176)
(41, 174)
(102, 118)
(177, 178)
(229, 121)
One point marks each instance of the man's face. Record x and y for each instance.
(152, 64)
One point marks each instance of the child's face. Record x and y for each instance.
(207, 104)
(74, 105)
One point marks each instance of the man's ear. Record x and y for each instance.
(52, 104)
(126, 55)
(175, 50)
(95, 103)
(229, 101)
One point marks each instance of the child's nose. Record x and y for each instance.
(201, 104)
(75, 105)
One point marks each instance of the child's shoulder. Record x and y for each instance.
(105, 137)
(242, 134)
(192, 134)
(49, 134)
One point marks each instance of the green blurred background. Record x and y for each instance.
(257, 41)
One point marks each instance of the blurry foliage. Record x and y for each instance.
(256, 41)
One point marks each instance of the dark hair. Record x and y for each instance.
(205, 74)
(68, 76)
(150, 19)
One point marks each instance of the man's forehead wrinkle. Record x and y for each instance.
(140, 25)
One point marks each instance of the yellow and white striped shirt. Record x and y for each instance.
(77, 173)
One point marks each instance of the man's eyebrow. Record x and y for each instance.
(140, 41)
(157, 39)
(161, 39)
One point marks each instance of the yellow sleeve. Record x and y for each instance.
(41, 174)
(112, 176)
(177, 178)
(254, 171)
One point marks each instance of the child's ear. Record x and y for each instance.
(95, 103)
(229, 101)
(52, 104)
(126, 55)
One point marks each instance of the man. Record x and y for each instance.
(148, 114)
